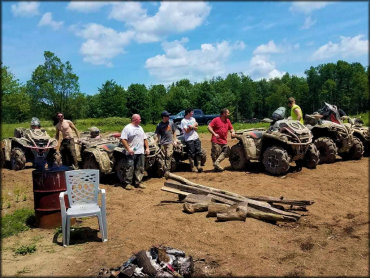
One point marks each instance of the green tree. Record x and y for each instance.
(111, 100)
(52, 87)
(138, 101)
(157, 94)
(15, 101)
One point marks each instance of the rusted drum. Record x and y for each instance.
(47, 184)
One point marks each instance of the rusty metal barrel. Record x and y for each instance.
(47, 184)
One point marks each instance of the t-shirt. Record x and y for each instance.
(135, 136)
(294, 115)
(191, 135)
(221, 128)
(165, 131)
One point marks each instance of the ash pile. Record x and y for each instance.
(158, 261)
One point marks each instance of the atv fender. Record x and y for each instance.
(249, 148)
(102, 158)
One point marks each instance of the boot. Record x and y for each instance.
(191, 161)
(216, 164)
(198, 161)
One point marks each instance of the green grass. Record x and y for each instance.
(25, 249)
(116, 124)
(12, 224)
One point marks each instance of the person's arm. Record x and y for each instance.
(232, 131)
(127, 147)
(75, 129)
(146, 144)
(210, 129)
(57, 134)
(298, 113)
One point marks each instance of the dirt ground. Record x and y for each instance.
(331, 240)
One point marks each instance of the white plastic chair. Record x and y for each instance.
(82, 190)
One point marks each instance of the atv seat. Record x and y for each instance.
(255, 134)
(108, 147)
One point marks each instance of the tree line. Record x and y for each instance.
(54, 87)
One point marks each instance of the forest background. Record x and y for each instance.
(54, 87)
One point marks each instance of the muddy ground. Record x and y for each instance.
(332, 240)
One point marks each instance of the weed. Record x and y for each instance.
(24, 197)
(12, 224)
(23, 271)
(25, 249)
(17, 193)
(8, 204)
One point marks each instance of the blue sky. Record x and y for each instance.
(161, 42)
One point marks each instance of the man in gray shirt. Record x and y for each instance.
(166, 131)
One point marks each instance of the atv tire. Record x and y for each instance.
(327, 149)
(312, 157)
(203, 157)
(356, 151)
(17, 159)
(237, 157)
(89, 162)
(276, 160)
(173, 164)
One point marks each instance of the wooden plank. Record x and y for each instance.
(197, 207)
(281, 201)
(175, 191)
(197, 198)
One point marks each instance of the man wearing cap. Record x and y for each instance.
(166, 131)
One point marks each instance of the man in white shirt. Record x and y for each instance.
(134, 140)
(190, 126)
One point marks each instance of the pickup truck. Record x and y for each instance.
(201, 118)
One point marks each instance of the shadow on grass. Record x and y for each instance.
(78, 235)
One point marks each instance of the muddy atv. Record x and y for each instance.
(30, 145)
(283, 142)
(360, 131)
(332, 137)
(180, 151)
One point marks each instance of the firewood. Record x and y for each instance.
(197, 198)
(214, 208)
(197, 207)
(281, 200)
(232, 215)
(266, 216)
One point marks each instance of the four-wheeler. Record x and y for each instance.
(30, 145)
(283, 142)
(332, 137)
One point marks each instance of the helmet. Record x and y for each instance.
(94, 132)
(35, 122)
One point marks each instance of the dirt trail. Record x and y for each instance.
(331, 240)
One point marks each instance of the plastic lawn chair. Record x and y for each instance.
(82, 190)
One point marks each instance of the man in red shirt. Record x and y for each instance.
(219, 128)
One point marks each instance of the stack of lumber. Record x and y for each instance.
(228, 206)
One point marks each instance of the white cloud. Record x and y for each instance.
(347, 47)
(171, 18)
(261, 67)
(47, 20)
(270, 47)
(307, 7)
(86, 7)
(308, 23)
(177, 62)
(102, 43)
(25, 9)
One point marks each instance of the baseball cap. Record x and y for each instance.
(165, 114)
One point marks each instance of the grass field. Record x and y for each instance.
(113, 124)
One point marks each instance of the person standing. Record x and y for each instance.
(295, 110)
(219, 128)
(190, 126)
(67, 146)
(166, 131)
(134, 140)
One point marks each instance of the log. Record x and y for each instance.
(265, 216)
(281, 200)
(232, 215)
(197, 207)
(197, 198)
(222, 200)
(214, 208)
(176, 191)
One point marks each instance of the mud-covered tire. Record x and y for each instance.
(159, 168)
(17, 159)
(355, 152)
(237, 157)
(203, 157)
(276, 160)
(89, 162)
(312, 157)
(327, 149)
(120, 170)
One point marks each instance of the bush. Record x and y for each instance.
(12, 224)
(25, 249)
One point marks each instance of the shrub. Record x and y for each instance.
(12, 224)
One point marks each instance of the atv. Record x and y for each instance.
(332, 137)
(180, 151)
(359, 131)
(107, 154)
(30, 145)
(283, 142)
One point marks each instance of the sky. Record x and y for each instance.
(162, 42)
